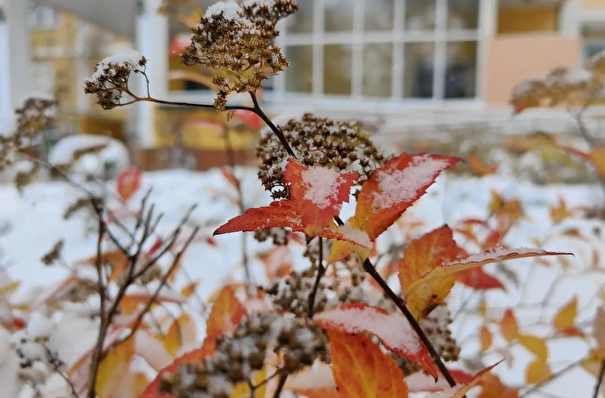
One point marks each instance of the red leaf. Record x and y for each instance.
(393, 330)
(395, 187)
(317, 193)
(129, 181)
(249, 118)
(283, 214)
(476, 278)
(156, 245)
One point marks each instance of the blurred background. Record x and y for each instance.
(420, 74)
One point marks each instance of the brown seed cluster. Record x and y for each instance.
(110, 81)
(560, 87)
(300, 342)
(54, 254)
(32, 118)
(317, 141)
(236, 43)
(278, 235)
(436, 327)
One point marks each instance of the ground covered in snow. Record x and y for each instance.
(33, 221)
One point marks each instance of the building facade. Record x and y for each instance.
(414, 62)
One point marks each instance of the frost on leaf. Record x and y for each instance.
(362, 370)
(318, 193)
(393, 330)
(279, 214)
(395, 187)
(439, 280)
(421, 256)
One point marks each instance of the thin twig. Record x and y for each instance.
(597, 384)
(280, 385)
(321, 270)
(280, 135)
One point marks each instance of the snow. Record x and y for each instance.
(393, 329)
(127, 59)
(356, 235)
(577, 76)
(493, 254)
(322, 186)
(400, 186)
(230, 10)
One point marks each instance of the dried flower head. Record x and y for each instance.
(236, 44)
(111, 77)
(339, 145)
(300, 342)
(36, 114)
(54, 254)
(279, 236)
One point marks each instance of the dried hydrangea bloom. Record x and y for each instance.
(300, 341)
(338, 145)
(529, 93)
(566, 85)
(597, 63)
(236, 43)
(111, 77)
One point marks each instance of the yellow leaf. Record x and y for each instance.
(599, 328)
(242, 390)
(113, 367)
(181, 332)
(535, 345)
(509, 327)
(566, 317)
(485, 337)
(537, 372)
(9, 288)
(188, 290)
(421, 257)
(597, 157)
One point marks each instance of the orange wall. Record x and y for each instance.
(592, 4)
(520, 20)
(512, 59)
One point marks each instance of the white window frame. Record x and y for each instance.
(43, 18)
(357, 38)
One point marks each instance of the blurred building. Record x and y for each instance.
(416, 63)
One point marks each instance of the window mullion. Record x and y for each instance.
(398, 50)
(440, 63)
(319, 10)
(357, 71)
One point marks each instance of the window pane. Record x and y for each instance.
(378, 14)
(302, 20)
(338, 15)
(337, 69)
(377, 69)
(462, 14)
(461, 70)
(420, 15)
(299, 76)
(418, 70)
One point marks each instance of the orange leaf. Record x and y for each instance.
(395, 187)
(226, 313)
(318, 193)
(559, 212)
(319, 393)
(362, 370)
(493, 388)
(129, 181)
(152, 390)
(469, 262)
(361, 318)
(597, 158)
(535, 345)
(476, 278)
(566, 316)
(537, 372)
(461, 390)
(480, 168)
(421, 256)
(283, 214)
(509, 327)
(485, 337)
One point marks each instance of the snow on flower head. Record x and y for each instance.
(236, 44)
(111, 77)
